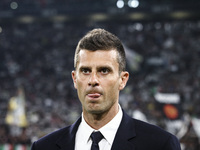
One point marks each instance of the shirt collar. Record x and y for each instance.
(108, 131)
(86, 130)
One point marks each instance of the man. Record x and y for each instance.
(99, 76)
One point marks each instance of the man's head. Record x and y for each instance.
(100, 72)
(100, 39)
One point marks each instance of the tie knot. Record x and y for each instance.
(96, 137)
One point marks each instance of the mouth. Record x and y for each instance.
(94, 96)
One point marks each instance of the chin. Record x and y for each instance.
(96, 111)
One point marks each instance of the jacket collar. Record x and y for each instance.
(67, 140)
(125, 133)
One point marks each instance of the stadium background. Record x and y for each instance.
(37, 43)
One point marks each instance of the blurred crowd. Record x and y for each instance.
(39, 57)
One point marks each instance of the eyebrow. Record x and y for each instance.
(98, 67)
(84, 67)
(103, 67)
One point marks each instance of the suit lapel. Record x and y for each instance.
(67, 140)
(125, 133)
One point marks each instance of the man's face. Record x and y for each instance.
(98, 81)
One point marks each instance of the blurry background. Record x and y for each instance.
(37, 43)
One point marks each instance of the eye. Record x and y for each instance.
(85, 70)
(105, 70)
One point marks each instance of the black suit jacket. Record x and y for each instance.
(131, 135)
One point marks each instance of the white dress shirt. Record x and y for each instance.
(83, 140)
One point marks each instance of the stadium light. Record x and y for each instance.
(13, 5)
(133, 3)
(120, 4)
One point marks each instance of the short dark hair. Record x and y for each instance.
(100, 39)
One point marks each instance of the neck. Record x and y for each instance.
(96, 121)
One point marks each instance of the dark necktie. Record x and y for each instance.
(96, 138)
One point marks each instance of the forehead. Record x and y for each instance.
(98, 57)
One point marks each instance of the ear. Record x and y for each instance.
(74, 78)
(124, 76)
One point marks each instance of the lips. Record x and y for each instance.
(94, 95)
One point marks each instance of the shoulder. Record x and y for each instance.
(57, 138)
(156, 135)
(153, 135)
(49, 140)
(144, 128)
(149, 129)
(54, 135)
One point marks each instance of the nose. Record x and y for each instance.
(93, 80)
